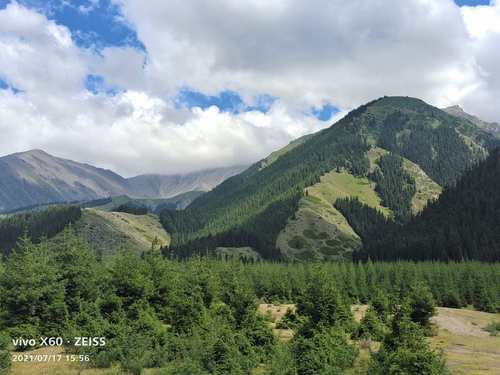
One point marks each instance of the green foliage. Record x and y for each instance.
(282, 361)
(365, 220)
(290, 320)
(493, 328)
(395, 186)
(323, 305)
(405, 350)
(422, 305)
(326, 352)
(78, 270)
(380, 305)
(371, 327)
(32, 295)
(461, 225)
(132, 208)
(36, 224)
(200, 315)
(426, 136)
(5, 361)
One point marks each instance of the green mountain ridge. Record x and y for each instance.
(424, 144)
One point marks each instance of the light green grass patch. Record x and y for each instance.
(319, 231)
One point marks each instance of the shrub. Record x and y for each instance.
(493, 328)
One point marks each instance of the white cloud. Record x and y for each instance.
(482, 20)
(305, 53)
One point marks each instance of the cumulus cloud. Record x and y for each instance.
(306, 54)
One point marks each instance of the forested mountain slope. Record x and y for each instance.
(462, 224)
(252, 208)
(104, 232)
(318, 230)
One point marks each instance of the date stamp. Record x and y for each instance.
(54, 349)
(20, 357)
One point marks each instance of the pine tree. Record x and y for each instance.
(32, 296)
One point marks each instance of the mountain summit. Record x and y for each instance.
(491, 127)
(35, 177)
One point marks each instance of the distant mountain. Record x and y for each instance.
(394, 154)
(168, 186)
(491, 127)
(35, 178)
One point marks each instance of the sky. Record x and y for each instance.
(177, 86)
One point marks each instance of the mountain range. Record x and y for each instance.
(34, 178)
(394, 155)
(344, 192)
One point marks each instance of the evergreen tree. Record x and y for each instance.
(32, 296)
(326, 352)
(371, 327)
(422, 305)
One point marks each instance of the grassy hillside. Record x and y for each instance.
(318, 230)
(253, 207)
(107, 231)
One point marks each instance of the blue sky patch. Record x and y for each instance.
(226, 101)
(4, 85)
(93, 23)
(263, 103)
(97, 85)
(472, 2)
(325, 112)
